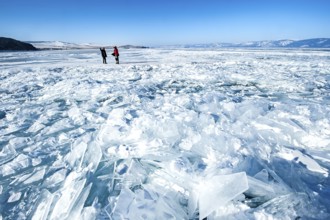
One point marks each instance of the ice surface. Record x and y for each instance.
(167, 134)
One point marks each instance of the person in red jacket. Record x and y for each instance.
(116, 54)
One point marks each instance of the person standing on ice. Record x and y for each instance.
(104, 55)
(116, 54)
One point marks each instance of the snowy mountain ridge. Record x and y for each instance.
(286, 43)
(60, 45)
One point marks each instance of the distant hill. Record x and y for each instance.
(132, 47)
(59, 45)
(312, 43)
(15, 45)
(307, 43)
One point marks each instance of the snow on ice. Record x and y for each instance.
(167, 134)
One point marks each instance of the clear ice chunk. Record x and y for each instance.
(259, 188)
(218, 190)
(89, 213)
(7, 153)
(292, 206)
(85, 154)
(92, 157)
(19, 163)
(55, 178)
(43, 205)
(148, 203)
(78, 206)
(74, 158)
(36, 176)
(68, 196)
(14, 196)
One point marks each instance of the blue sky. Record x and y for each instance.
(160, 22)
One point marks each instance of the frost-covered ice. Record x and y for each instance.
(167, 134)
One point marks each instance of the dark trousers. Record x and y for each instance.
(104, 60)
(117, 59)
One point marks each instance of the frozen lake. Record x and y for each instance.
(167, 134)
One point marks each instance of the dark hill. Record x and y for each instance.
(11, 44)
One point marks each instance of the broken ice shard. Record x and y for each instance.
(218, 190)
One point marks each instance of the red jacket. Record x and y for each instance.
(115, 51)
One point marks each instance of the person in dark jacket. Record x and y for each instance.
(104, 55)
(116, 54)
